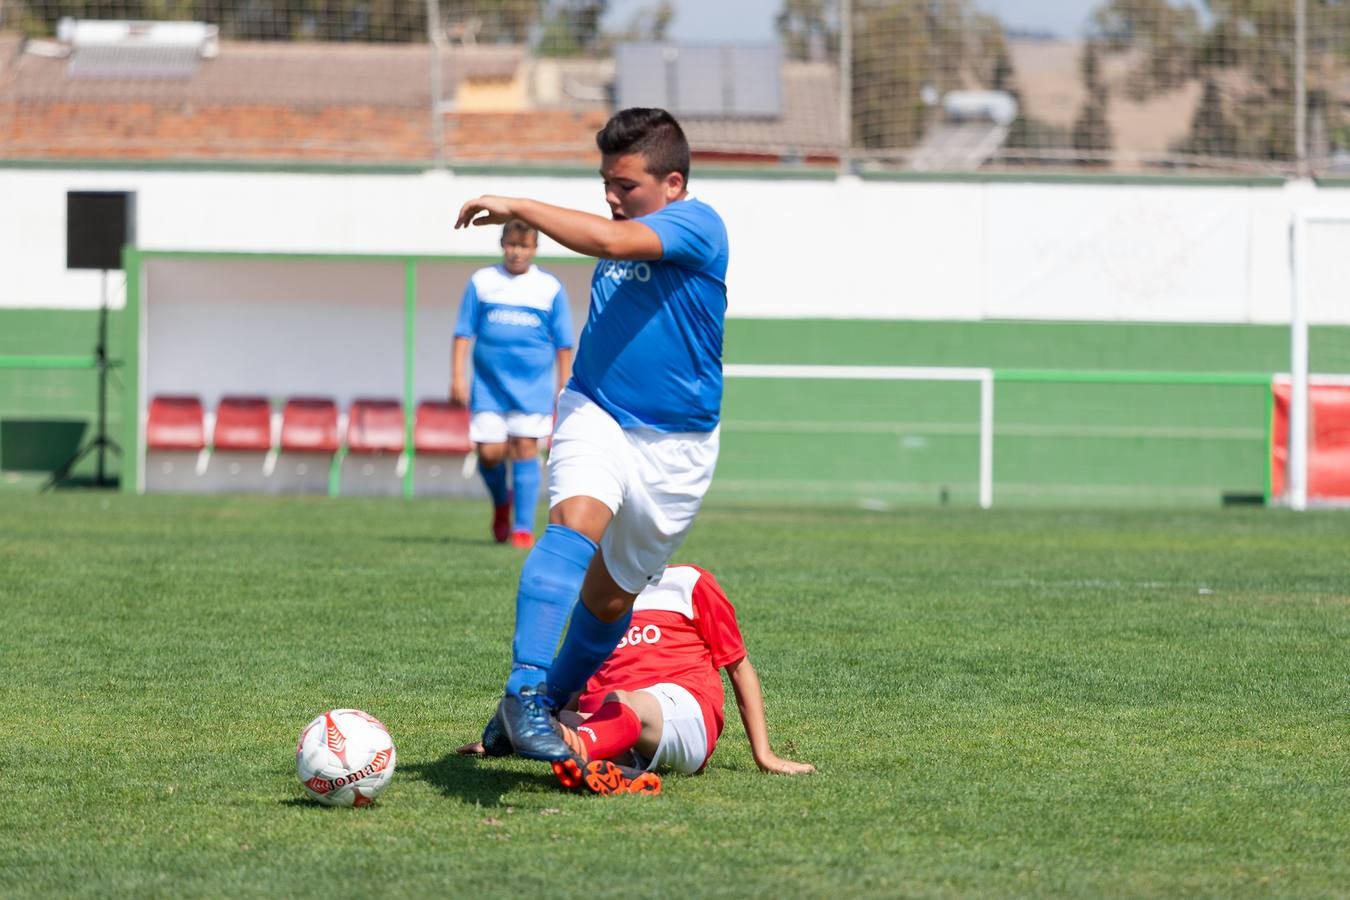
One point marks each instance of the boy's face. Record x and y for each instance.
(518, 251)
(632, 191)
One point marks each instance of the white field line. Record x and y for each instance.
(858, 373)
(899, 429)
(1317, 379)
(852, 488)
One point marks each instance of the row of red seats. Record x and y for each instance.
(308, 425)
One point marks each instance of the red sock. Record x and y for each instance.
(614, 729)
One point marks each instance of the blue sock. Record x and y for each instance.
(495, 479)
(550, 583)
(525, 478)
(587, 643)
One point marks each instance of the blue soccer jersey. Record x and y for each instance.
(651, 352)
(517, 323)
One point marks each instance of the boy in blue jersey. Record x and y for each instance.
(636, 437)
(517, 318)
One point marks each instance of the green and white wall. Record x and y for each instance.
(1072, 276)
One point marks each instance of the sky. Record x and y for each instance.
(752, 20)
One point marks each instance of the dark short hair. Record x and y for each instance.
(652, 132)
(520, 227)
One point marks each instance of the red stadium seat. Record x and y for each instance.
(243, 423)
(375, 426)
(175, 423)
(309, 425)
(441, 428)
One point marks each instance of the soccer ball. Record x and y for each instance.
(345, 758)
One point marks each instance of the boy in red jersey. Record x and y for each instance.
(656, 702)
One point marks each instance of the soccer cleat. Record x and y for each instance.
(530, 725)
(568, 772)
(501, 521)
(495, 741)
(522, 539)
(603, 777)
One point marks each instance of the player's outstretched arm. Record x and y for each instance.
(750, 700)
(583, 232)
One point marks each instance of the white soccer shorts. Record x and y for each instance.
(683, 746)
(494, 427)
(652, 481)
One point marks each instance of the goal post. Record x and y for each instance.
(983, 377)
(1310, 280)
(878, 433)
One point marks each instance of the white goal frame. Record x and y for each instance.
(1296, 481)
(984, 377)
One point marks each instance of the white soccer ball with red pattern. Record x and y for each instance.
(345, 758)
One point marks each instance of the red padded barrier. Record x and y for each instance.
(309, 424)
(1328, 441)
(243, 423)
(441, 427)
(175, 423)
(375, 426)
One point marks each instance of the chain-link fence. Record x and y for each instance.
(1147, 85)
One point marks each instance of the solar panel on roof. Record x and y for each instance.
(728, 81)
(757, 90)
(125, 49)
(641, 76)
(700, 87)
(132, 62)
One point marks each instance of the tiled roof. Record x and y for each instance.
(356, 103)
(292, 74)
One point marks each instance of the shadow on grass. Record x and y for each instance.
(476, 780)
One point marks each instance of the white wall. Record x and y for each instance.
(846, 248)
(291, 328)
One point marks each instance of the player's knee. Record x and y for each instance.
(524, 448)
(582, 514)
(491, 455)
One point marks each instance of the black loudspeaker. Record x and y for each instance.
(98, 223)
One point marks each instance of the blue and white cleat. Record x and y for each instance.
(530, 726)
(495, 741)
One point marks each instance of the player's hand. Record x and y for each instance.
(776, 765)
(474, 749)
(485, 210)
(459, 394)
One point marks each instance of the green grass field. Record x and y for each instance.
(1026, 703)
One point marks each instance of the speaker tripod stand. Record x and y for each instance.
(100, 443)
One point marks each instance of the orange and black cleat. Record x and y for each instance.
(601, 776)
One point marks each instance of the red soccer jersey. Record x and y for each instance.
(683, 631)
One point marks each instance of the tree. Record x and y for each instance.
(1025, 133)
(1166, 36)
(500, 21)
(901, 47)
(1245, 45)
(809, 29)
(1212, 133)
(648, 24)
(1091, 133)
(572, 27)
